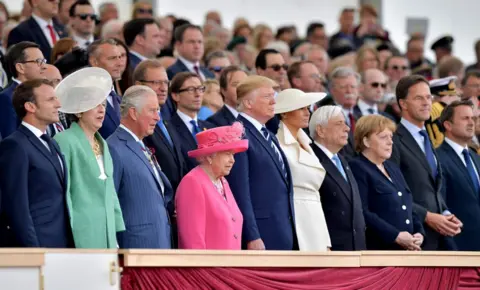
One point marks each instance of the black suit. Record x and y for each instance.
(426, 191)
(170, 158)
(357, 113)
(187, 142)
(222, 117)
(29, 30)
(342, 206)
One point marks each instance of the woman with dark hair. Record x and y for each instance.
(127, 77)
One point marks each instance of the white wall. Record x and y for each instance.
(459, 18)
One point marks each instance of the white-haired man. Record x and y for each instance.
(143, 190)
(339, 190)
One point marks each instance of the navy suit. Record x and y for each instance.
(144, 206)
(461, 197)
(170, 158)
(33, 193)
(387, 205)
(342, 206)
(357, 113)
(112, 118)
(134, 60)
(8, 116)
(263, 194)
(29, 30)
(222, 117)
(187, 142)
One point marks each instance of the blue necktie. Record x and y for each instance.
(471, 170)
(429, 153)
(339, 166)
(164, 130)
(275, 149)
(116, 103)
(195, 130)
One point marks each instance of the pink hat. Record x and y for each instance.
(225, 138)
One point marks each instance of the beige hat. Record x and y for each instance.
(83, 90)
(293, 99)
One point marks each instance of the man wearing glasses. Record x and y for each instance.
(26, 62)
(82, 22)
(39, 28)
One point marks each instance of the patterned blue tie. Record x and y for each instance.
(195, 130)
(275, 149)
(429, 153)
(164, 130)
(339, 166)
(471, 170)
(116, 103)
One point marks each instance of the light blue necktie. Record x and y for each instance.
(164, 130)
(339, 166)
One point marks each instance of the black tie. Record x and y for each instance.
(54, 152)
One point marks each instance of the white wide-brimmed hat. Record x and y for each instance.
(293, 99)
(83, 90)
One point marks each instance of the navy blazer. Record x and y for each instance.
(170, 158)
(461, 197)
(144, 206)
(8, 117)
(112, 119)
(134, 60)
(222, 117)
(387, 205)
(357, 113)
(33, 193)
(29, 30)
(342, 205)
(263, 194)
(187, 142)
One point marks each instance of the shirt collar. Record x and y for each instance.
(185, 118)
(254, 122)
(41, 22)
(232, 110)
(130, 132)
(414, 130)
(82, 41)
(37, 132)
(455, 146)
(189, 64)
(364, 106)
(325, 150)
(141, 57)
(17, 81)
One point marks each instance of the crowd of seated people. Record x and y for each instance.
(159, 133)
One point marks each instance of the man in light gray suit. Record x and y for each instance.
(144, 192)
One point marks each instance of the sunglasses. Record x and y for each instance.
(145, 11)
(376, 85)
(92, 17)
(278, 67)
(396, 67)
(217, 69)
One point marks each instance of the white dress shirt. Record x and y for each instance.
(364, 107)
(186, 120)
(254, 122)
(459, 150)
(190, 66)
(232, 110)
(83, 42)
(346, 112)
(325, 150)
(141, 57)
(43, 25)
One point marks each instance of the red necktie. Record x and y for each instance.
(195, 68)
(352, 122)
(52, 34)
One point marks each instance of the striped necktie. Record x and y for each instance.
(276, 150)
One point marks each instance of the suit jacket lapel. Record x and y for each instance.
(459, 163)
(412, 145)
(183, 131)
(35, 27)
(228, 115)
(162, 137)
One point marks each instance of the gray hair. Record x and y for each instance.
(134, 97)
(103, 6)
(344, 72)
(214, 55)
(111, 26)
(313, 48)
(321, 117)
(278, 45)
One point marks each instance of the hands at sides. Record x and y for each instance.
(257, 245)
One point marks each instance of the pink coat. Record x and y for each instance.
(205, 219)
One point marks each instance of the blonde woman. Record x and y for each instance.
(212, 99)
(367, 58)
(262, 35)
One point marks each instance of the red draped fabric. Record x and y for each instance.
(434, 278)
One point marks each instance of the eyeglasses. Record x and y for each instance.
(156, 83)
(278, 67)
(192, 90)
(145, 11)
(396, 67)
(84, 16)
(38, 61)
(376, 85)
(217, 69)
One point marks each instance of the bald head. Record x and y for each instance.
(52, 74)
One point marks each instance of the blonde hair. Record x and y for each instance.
(208, 101)
(257, 34)
(361, 56)
(249, 85)
(368, 125)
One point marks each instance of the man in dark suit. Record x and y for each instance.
(164, 139)
(187, 92)
(82, 23)
(229, 79)
(344, 93)
(39, 28)
(143, 190)
(33, 177)
(26, 62)
(144, 39)
(189, 45)
(260, 179)
(460, 171)
(339, 191)
(106, 54)
(414, 153)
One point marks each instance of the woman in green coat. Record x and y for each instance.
(95, 213)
